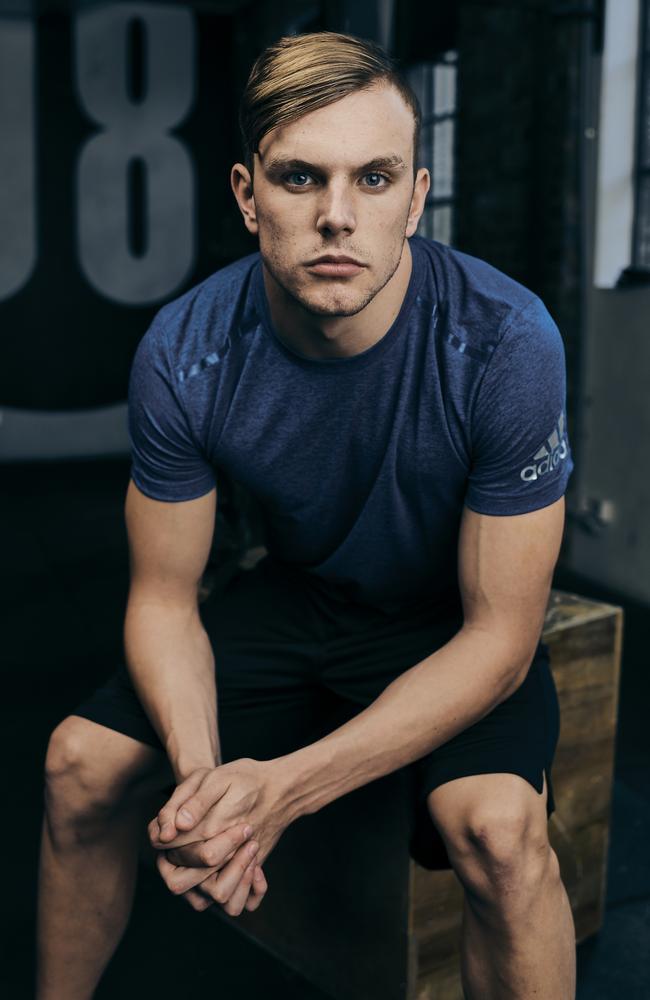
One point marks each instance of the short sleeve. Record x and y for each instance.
(166, 462)
(521, 457)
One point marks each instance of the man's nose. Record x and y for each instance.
(336, 210)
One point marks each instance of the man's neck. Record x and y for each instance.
(321, 337)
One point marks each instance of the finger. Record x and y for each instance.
(235, 904)
(222, 885)
(215, 851)
(166, 828)
(200, 834)
(195, 806)
(197, 901)
(181, 880)
(259, 886)
(191, 856)
(162, 826)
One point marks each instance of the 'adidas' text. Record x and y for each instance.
(549, 455)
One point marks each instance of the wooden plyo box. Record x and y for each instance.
(585, 641)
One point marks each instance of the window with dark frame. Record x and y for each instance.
(435, 85)
(641, 228)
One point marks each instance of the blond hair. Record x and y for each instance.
(300, 73)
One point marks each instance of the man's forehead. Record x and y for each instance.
(368, 128)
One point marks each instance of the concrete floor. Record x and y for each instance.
(63, 592)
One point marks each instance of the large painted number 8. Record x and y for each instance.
(135, 131)
(17, 142)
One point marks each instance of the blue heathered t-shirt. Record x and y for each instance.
(361, 464)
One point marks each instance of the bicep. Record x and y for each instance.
(505, 569)
(169, 545)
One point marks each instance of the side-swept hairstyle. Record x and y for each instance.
(300, 73)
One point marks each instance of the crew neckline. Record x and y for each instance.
(355, 360)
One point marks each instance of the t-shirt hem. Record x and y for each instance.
(510, 507)
(155, 495)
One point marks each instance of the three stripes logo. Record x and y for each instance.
(549, 455)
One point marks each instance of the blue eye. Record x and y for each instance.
(296, 173)
(379, 177)
(300, 178)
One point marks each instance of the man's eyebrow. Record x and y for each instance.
(279, 163)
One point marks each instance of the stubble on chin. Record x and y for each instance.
(330, 304)
(336, 306)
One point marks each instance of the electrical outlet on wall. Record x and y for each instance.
(595, 514)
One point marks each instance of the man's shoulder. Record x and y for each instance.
(476, 300)
(220, 291)
(197, 327)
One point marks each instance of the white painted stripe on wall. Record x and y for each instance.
(33, 435)
(616, 142)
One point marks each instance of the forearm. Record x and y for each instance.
(171, 664)
(424, 707)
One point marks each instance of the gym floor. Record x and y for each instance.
(64, 589)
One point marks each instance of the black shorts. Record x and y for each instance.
(294, 660)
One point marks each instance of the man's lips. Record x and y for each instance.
(335, 266)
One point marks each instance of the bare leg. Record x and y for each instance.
(520, 950)
(100, 791)
(518, 935)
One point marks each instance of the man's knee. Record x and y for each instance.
(89, 771)
(499, 846)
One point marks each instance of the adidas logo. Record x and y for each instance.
(549, 455)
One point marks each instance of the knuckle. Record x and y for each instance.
(193, 803)
(245, 857)
(220, 894)
(207, 855)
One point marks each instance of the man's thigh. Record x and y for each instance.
(500, 766)
(516, 739)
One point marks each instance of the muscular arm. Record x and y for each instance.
(505, 570)
(168, 652)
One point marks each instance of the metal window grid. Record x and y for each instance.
(641, 227)
(435, 84)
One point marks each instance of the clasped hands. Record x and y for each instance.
(216, 830)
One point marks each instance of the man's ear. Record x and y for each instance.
(420, 189)
(242, 186)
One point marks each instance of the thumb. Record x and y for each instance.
(195, 807)
(166, 819)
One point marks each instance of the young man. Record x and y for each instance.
(397, 408)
